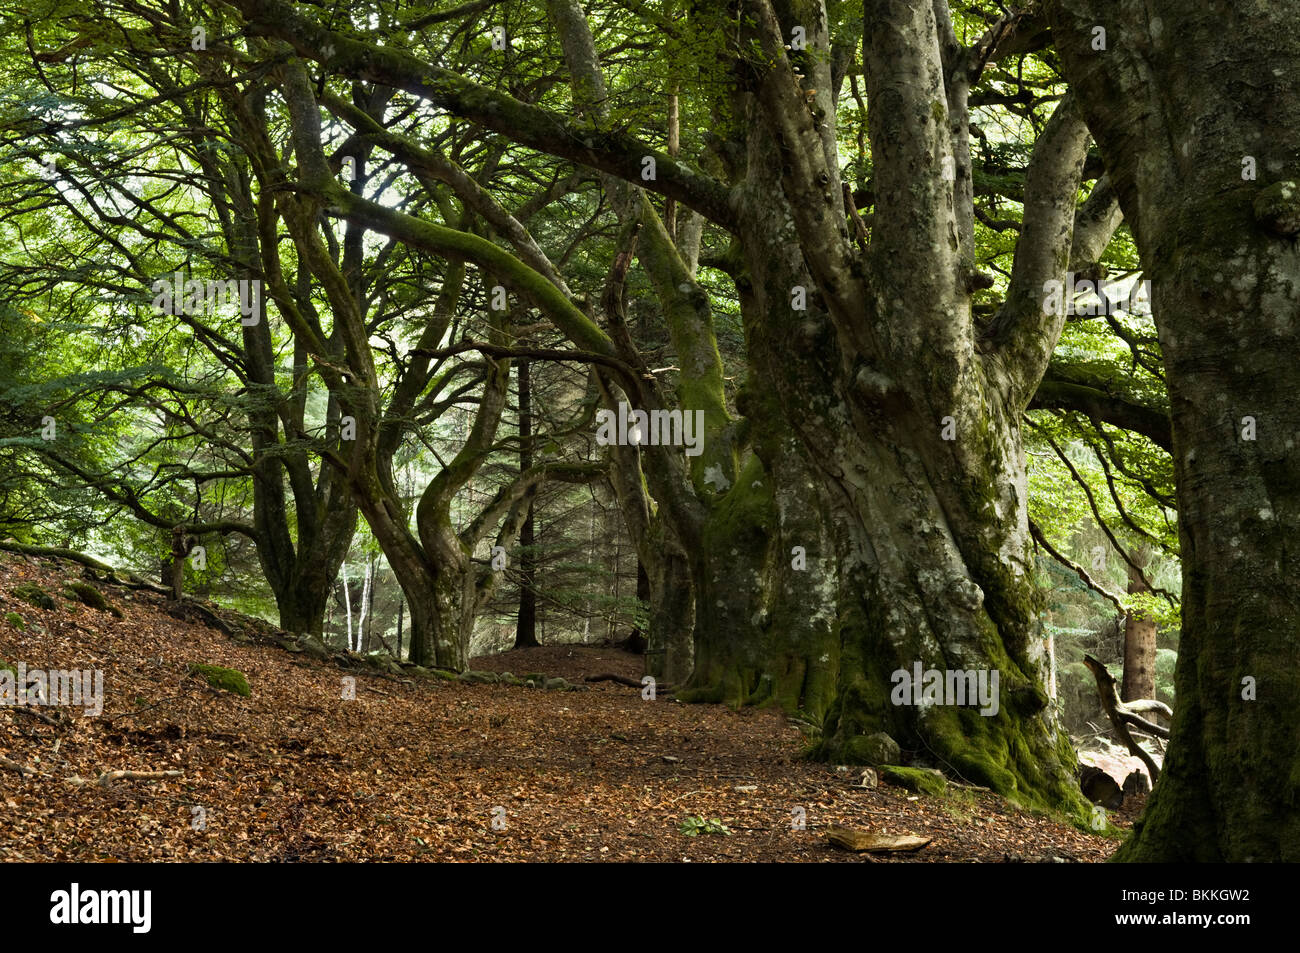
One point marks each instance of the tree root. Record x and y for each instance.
(129, 580)
(661, 688)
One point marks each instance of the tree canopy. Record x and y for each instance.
(812, 340)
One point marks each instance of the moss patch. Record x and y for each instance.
(914, 779)
(875, 749)
(227, 679)
(88, 595)
(14, 619)
(1277, 208)
(34, 595)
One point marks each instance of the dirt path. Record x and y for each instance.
(416, 769)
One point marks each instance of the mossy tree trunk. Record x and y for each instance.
(766, 634)
(908, 410)
(931, 534)
(1196, 109)
(303, 517)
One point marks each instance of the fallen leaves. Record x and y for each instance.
(413, 769)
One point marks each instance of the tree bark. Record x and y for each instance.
(1186, 102)
(526, 623)
(912, 424)
(1139, 646)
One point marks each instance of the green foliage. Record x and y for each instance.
(693, 826)
(160, 420)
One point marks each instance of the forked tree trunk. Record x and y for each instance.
(434, 633)
(912, 423)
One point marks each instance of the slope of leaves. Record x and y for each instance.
(417, 768)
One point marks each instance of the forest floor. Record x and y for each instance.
(424, 769)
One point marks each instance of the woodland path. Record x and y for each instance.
(413, 768)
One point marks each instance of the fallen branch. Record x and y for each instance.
(33, 713)
(108, 777)
(1120, 718)
(1137, 721)
(621, 679)
(1148, 704)
(104, 780)
(140, 711)
(181, 610)
(846, 838)
(15, 766)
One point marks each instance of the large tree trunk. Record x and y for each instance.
(1139, 646)
(670, 651)
(912, 423)
(1187, 102)
(765, 617)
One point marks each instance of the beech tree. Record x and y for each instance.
(133, 202)
(902, 274)
(909, 410)
(1208, 182)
